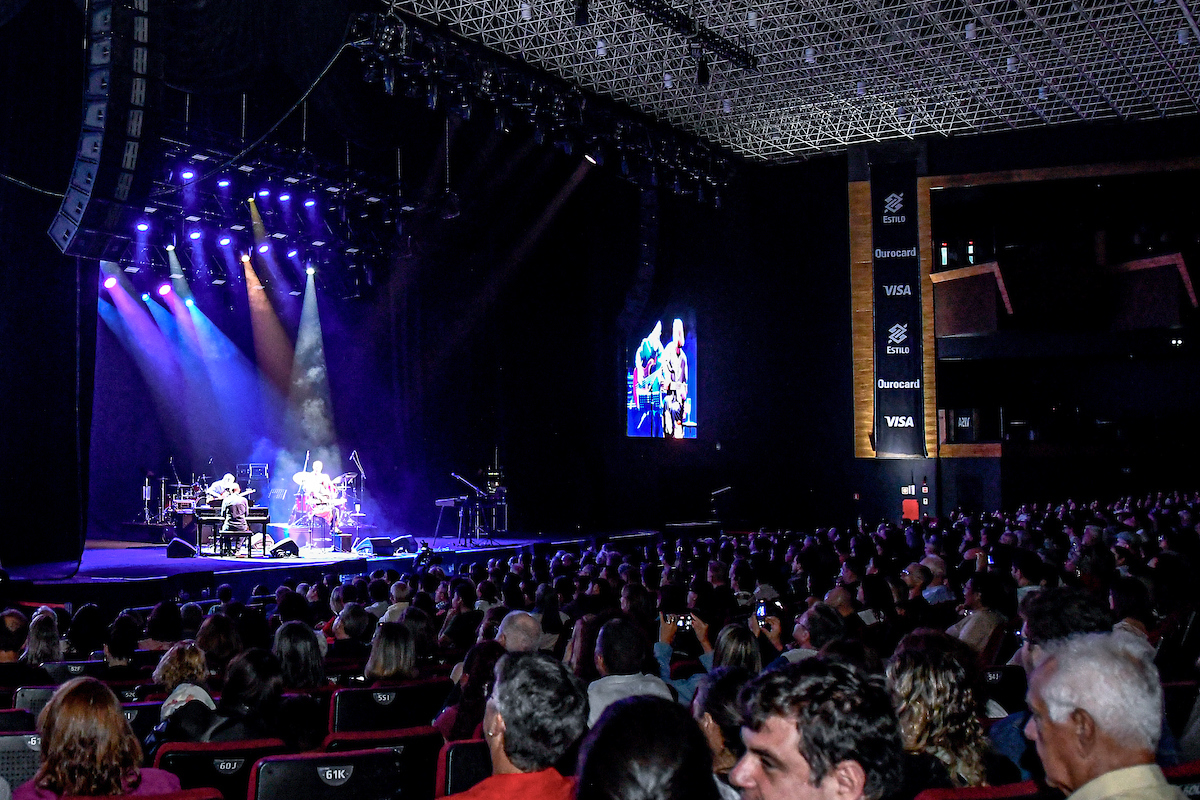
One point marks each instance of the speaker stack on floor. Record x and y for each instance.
(178, 548)
(284, 549)
(382, 546)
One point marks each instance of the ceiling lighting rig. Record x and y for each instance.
(413, 58)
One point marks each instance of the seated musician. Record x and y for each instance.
(234, 508)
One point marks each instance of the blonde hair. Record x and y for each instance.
(931, 683)
(183, 663)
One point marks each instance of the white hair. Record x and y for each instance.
(521, 631)
(1112, 677)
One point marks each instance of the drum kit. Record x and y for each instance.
(331, 501)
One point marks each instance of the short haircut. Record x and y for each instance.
(936, 566)
(1061, 611)
(544, 706)
(378, 590)
(622, 645)
(123, 637)
(824, 625)
(841, 714)
(645, 747)
(1112, 677)
(923, 574)
(356, 621)
(521, 631)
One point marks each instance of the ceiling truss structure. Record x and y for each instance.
(832, 73)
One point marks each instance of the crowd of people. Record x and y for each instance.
(869, 663)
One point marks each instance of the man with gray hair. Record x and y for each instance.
(519, 632)
(1096, 715)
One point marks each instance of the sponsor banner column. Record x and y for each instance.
(899, 401)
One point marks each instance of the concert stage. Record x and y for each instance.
(120, 574)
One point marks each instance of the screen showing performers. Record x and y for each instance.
(661, 379)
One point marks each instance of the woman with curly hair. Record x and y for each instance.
(932, 681)
(183, 673)
(89, 750)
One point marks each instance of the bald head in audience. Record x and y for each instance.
(519, 632)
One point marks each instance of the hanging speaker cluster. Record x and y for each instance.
(115, 158)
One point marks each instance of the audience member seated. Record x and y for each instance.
(89, 750)
(248, 708)
(164, 627)
(43, 643)
(736, 647)
(460, 719)
(462, 620)
(817, 730)
(645, 747)
(393, 657)
(85, 634)
(301, 660)
(182, 673)
(14, 671)
(817, 627)
(981, 604)
(119, 646)
(352, 630)
(220, 640)
(932, 680)
(619, 655)
(1096, 705)
(519, 632)
(398, 594)
(537, 712)
(717, 710)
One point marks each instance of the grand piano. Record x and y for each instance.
(208, 526)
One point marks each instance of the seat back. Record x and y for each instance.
(17, 720)
(1006, 685)
(424, 737)
(142, 717)
(405, 706)
(33, 698)
(1026, 789)
(1186, 777)
(20, 756)
(183, 794)
(461, 765)
(380, 774)
(63, 671)
(225, 766)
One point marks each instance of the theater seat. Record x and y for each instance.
(225, 766)
(425, 738)
(33, 698)
(1005, 791)
(461, 765)
(380, 774)
(404, 706)
(20, 756)
(1186, 777)
(183, 794)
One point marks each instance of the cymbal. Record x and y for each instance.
(301, 477)
(345, 478)
(180, 485)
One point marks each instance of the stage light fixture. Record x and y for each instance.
(187, 174)
(668, 80)
(283, 198)
(170, 247)
(703, 75)
(293, 253)
(145, 297)
(309, 203)
(310, 271)
(143, 226)
(526, 12)
(223, 183)
(245, 258)
(110, 282)
(264, 192)
(601, 48)
(224, 241)
(262, 248)
(189, 302)
(581, 13)
(194, 235)
(164, 290)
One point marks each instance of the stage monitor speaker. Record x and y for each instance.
(382, 546)
(285, 548)
(178, 548)
(404, 544)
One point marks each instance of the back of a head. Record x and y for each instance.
(14, 630)
(356, 621)
(218, 637)
(544, 706)
(824, 625)
(300, 656)
(645, 748)
(183, 663)
(717, 695)
(1061, 611)
(165, 622)
(841, 714)
(622, 646)
(521, 631)
(393, 653)
(737, 647)
(123, 637)
(88, 747)
(1112, 677)
(254, 680)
